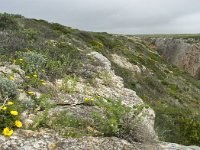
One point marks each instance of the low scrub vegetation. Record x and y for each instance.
(49, 51)
(109, 120)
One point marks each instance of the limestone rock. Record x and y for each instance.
(13, 70)
(49, 140)
(23, 97)
(102, 60)
(29, 140)
(174, 146)
(123, 62)
(184, 55)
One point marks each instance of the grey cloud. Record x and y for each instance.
(114, 16)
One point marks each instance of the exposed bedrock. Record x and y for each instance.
(180, 53)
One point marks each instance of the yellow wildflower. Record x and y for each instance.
(7, 131)
(10, 103)
(14, 112)
(35, 75)
(3, 107)
(86, 99)
(92, 99)
(11, 78)
(21, 90)
(21, 60)
(27, 77)
(18, 123)
(43, 83)
(14, 61)
(30, 92)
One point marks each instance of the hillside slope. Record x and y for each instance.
(82, 84)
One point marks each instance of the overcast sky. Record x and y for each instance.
(113, 16)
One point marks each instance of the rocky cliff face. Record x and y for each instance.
(141, 135)
(74, 103)
(180, 53)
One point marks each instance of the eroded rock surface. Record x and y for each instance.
(180, 53)
(123, 62)
(49, 140)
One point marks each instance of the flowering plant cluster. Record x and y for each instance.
(9, 117)
(32, 63)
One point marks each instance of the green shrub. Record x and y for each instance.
(12, 42)
(97, 44)
(154, 84)
(60, 28)
(8, 22)
(86, 36)
(177, 125)
(8, 89)
(190, 130)
(69, 84)
(64, 123)
(112, 120)
(31, 34)
(70, 125)
(63, 59)
(108, 121)
(54, 69)
(32, 62)
(106, 77)
(108, 41)
(42, 102)
(40, 121)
